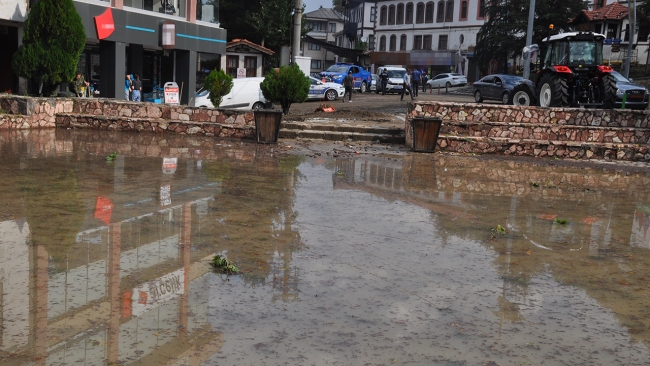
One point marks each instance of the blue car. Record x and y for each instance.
(338, 71)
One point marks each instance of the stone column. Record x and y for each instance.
(186, 75)
(112, 71)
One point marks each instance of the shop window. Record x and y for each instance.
(232, 63)
(393, 43)
(409, 14)
(419, 13)
(402, 42)
(428, 17)
(382, 15)
(400, 14)
(382, 43)
(316, 64)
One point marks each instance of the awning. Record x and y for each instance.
(339, 51)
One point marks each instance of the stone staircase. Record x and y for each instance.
(341, 132)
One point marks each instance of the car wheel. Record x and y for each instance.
(330, 95)
(448, 85)
(522, 96)
(363, 87)
(258, 106)
(505, 98)
(478, 98)
(553, 91)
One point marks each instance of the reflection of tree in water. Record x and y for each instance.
(254, 216)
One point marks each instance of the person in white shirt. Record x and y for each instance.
(406, 84)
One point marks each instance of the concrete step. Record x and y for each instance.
(339, 132)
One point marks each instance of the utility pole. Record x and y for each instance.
(297, 19)
(631, 19)
(529, 38)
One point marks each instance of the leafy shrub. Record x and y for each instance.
(53, 39)
(286, 86)
(218, 83)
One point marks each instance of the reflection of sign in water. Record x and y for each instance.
(169, 165)
(157, 292)
(165, 195)
(103, 210)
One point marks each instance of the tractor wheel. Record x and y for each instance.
(553, 91)
(522, 96)
(607, 88)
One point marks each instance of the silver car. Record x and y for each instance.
(446, 80)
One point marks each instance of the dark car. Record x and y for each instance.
(338, 71)
(637, 95)
(496, 87)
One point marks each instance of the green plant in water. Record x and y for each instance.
(560, 221)
(534, 184)
(498, 230)
(224, 265)
(112, 157)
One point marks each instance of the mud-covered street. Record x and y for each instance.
(350, 254)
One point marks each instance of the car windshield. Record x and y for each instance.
(510, 79)
(338, 69)
(396, 73)
(619, 77)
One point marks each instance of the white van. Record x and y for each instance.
(245, 94)
(395, 79)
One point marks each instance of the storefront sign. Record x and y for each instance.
(157, 292)
(104, 25)
(171, 93)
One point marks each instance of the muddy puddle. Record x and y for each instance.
(417, 259)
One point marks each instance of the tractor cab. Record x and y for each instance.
(574, 49)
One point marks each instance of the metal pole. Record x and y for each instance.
(297, 19)
(632, 24)
(529, 38)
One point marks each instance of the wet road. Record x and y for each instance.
(364, 260)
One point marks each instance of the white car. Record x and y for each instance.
(446, 80)
(245, 94)
(321, 90)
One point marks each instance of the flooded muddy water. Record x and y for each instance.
(416, 259)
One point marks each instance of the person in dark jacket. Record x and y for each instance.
(348, 83)
(136, 94)
(383, 77)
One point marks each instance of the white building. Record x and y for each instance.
(324, 24)
(13, 14)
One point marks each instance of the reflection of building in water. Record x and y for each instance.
(640, 236)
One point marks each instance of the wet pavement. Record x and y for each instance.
(350, 255)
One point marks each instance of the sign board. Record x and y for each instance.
(172, 93)
(157, 292)
(241, 72)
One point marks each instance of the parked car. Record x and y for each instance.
(446, 80)
(373, 84)
(637, 95)
(395, 79)
(338, 71)
(245, 94)
(496, 87)
(321, 90)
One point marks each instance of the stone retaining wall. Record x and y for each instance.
(533, 131)
(109, 114)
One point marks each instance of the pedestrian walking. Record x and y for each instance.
(383, 77)
(417, 79)
(127, 87)
(136, 89)
(348, 83)
(406, 85)
(425, 78)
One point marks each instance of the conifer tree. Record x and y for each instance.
(53, 40)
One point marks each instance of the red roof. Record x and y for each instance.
(250, 44)
(613, 11)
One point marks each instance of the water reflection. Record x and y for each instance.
(362, 260)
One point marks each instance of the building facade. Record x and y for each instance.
(324, 24)
(13, 14)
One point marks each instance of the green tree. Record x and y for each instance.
(53, 39)
(338, 6)
(286, 86)
(218, 83)
(643, 20)
(503, 36)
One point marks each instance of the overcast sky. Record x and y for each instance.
(312, 5)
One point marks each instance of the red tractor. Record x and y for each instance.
(572, 74)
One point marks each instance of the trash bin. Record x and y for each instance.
(425, 133)
(267, 126)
